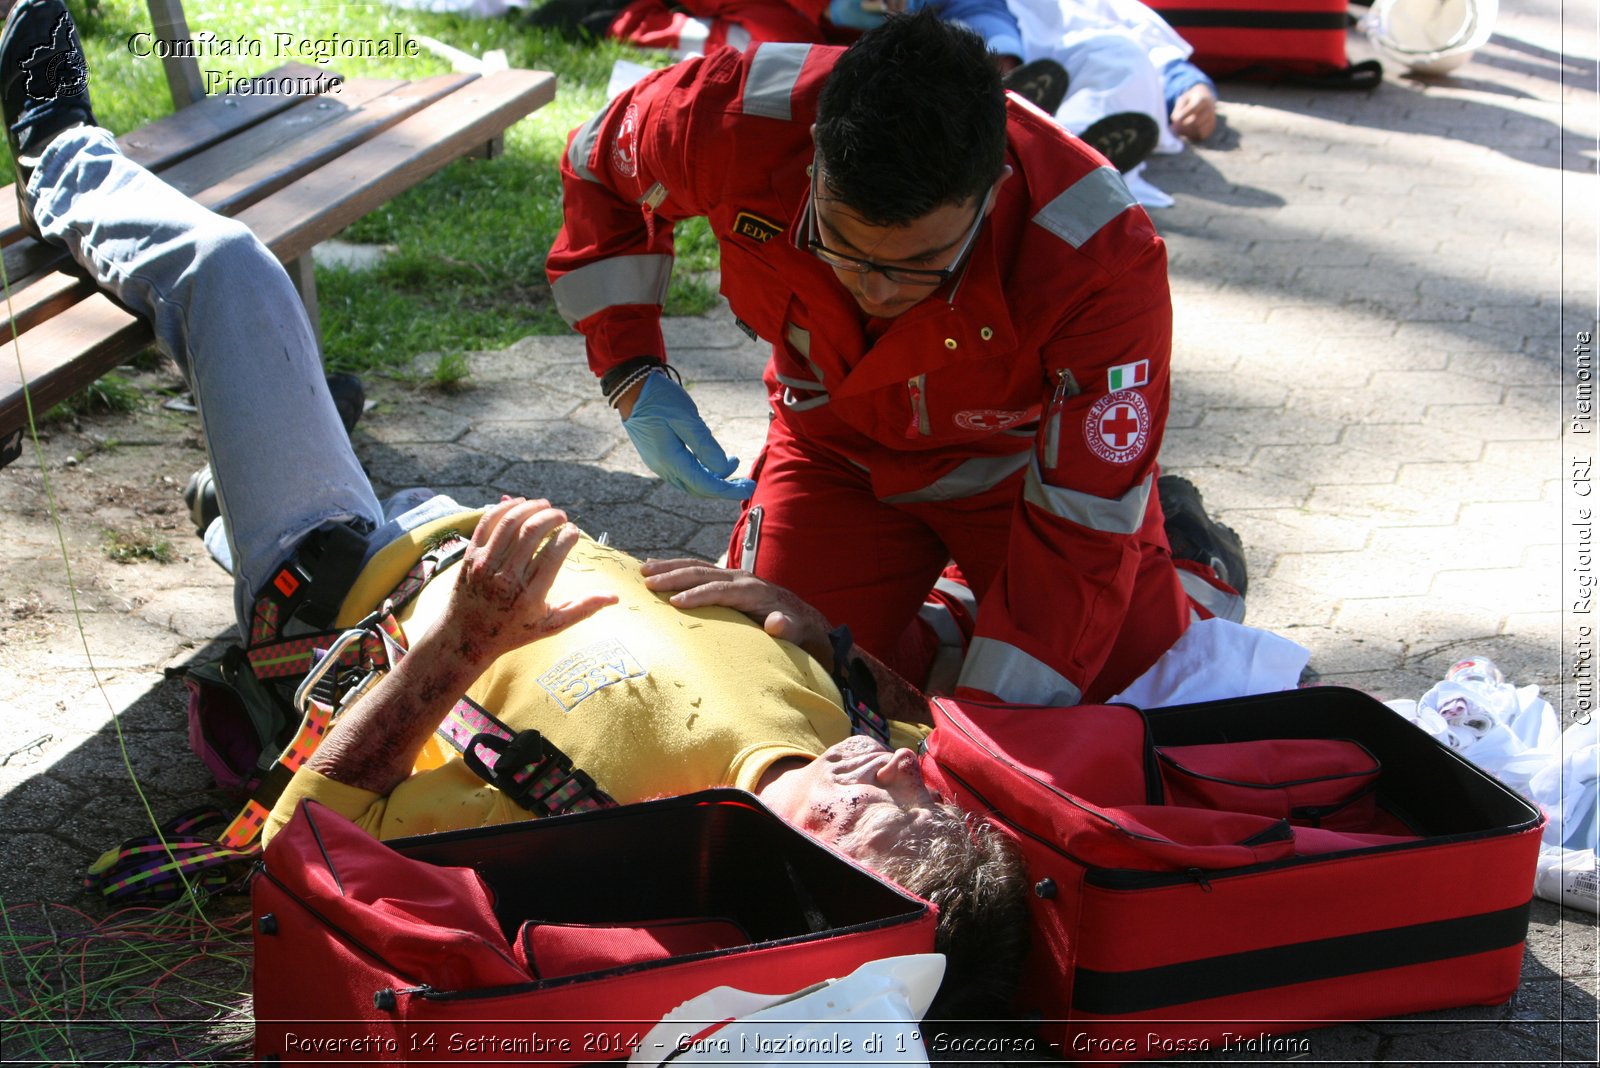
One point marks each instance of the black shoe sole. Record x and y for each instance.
(1042, 83)
(1126, 138)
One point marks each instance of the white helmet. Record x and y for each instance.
(1430, 36)
(871, 1016)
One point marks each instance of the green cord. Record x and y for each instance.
(49, 1035)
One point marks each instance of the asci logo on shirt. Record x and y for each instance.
(625, 146)
(1117, 428)
(587, 671)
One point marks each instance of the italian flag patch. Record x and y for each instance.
(1128, 375)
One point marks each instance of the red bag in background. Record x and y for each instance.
(1302, 40)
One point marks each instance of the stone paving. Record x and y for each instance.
(1374, 295)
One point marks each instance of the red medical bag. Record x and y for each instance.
(552, 941)
(1267, 37)
(1214, 874)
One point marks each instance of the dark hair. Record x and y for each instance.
(968, 868)
(912, 118)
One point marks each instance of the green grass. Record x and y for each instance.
(109, 393)
(131, 546)
(472, 240)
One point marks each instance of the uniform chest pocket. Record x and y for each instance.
(755, 289)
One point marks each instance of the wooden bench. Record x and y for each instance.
(296, 169)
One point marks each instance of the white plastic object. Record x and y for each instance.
(1569, 877)
(871, 1016)
(1430, 36)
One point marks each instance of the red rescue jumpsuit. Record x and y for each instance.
(1010, 421)
(685, 27)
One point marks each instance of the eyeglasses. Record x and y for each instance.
(908, 276)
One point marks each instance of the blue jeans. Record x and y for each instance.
(223, 308)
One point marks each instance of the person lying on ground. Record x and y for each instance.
(537, 622)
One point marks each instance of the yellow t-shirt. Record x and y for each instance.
(649, 700)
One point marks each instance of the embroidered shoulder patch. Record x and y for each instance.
(749, 224)
(625, 146)
(1118, 427)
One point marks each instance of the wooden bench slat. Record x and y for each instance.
(69, 350)
(27, 260)
(241, 171)
(180, 135)
(275, 153)
(46, 296)
(66, 353)
(297, 217)
(202, 124)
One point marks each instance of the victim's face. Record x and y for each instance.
(859, 797)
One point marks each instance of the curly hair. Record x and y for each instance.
(967, 867)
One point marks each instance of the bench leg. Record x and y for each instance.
(490, 149)
(303, 273)
(183, 71)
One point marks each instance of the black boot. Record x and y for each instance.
(44, 86)
(1126, 138)
(1042, 83)
(1195, 536)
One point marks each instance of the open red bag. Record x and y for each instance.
(400, 952)
(1166, 920)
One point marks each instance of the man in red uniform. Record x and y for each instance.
(971, 330)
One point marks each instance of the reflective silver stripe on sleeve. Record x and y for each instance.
(1009, 673)
(609, 282)
(805, 404)
(1220, 603)
(960, 593)
(1122, 515)
(968, 480)
(1088, 204)
(582, 146)
(774, 70)
(942, 623)
(800, 383)
(800, 338)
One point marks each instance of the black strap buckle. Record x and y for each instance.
(550, 786)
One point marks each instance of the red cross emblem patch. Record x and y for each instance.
(1118, 427)
(625, 146)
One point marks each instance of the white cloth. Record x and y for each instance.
(1515, 735)
(1215, 659)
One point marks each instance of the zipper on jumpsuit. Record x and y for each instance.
(916, 388)
(1052, 424)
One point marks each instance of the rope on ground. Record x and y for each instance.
(168, 984)
(164, 984)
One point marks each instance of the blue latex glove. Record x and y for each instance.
(676, 444)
